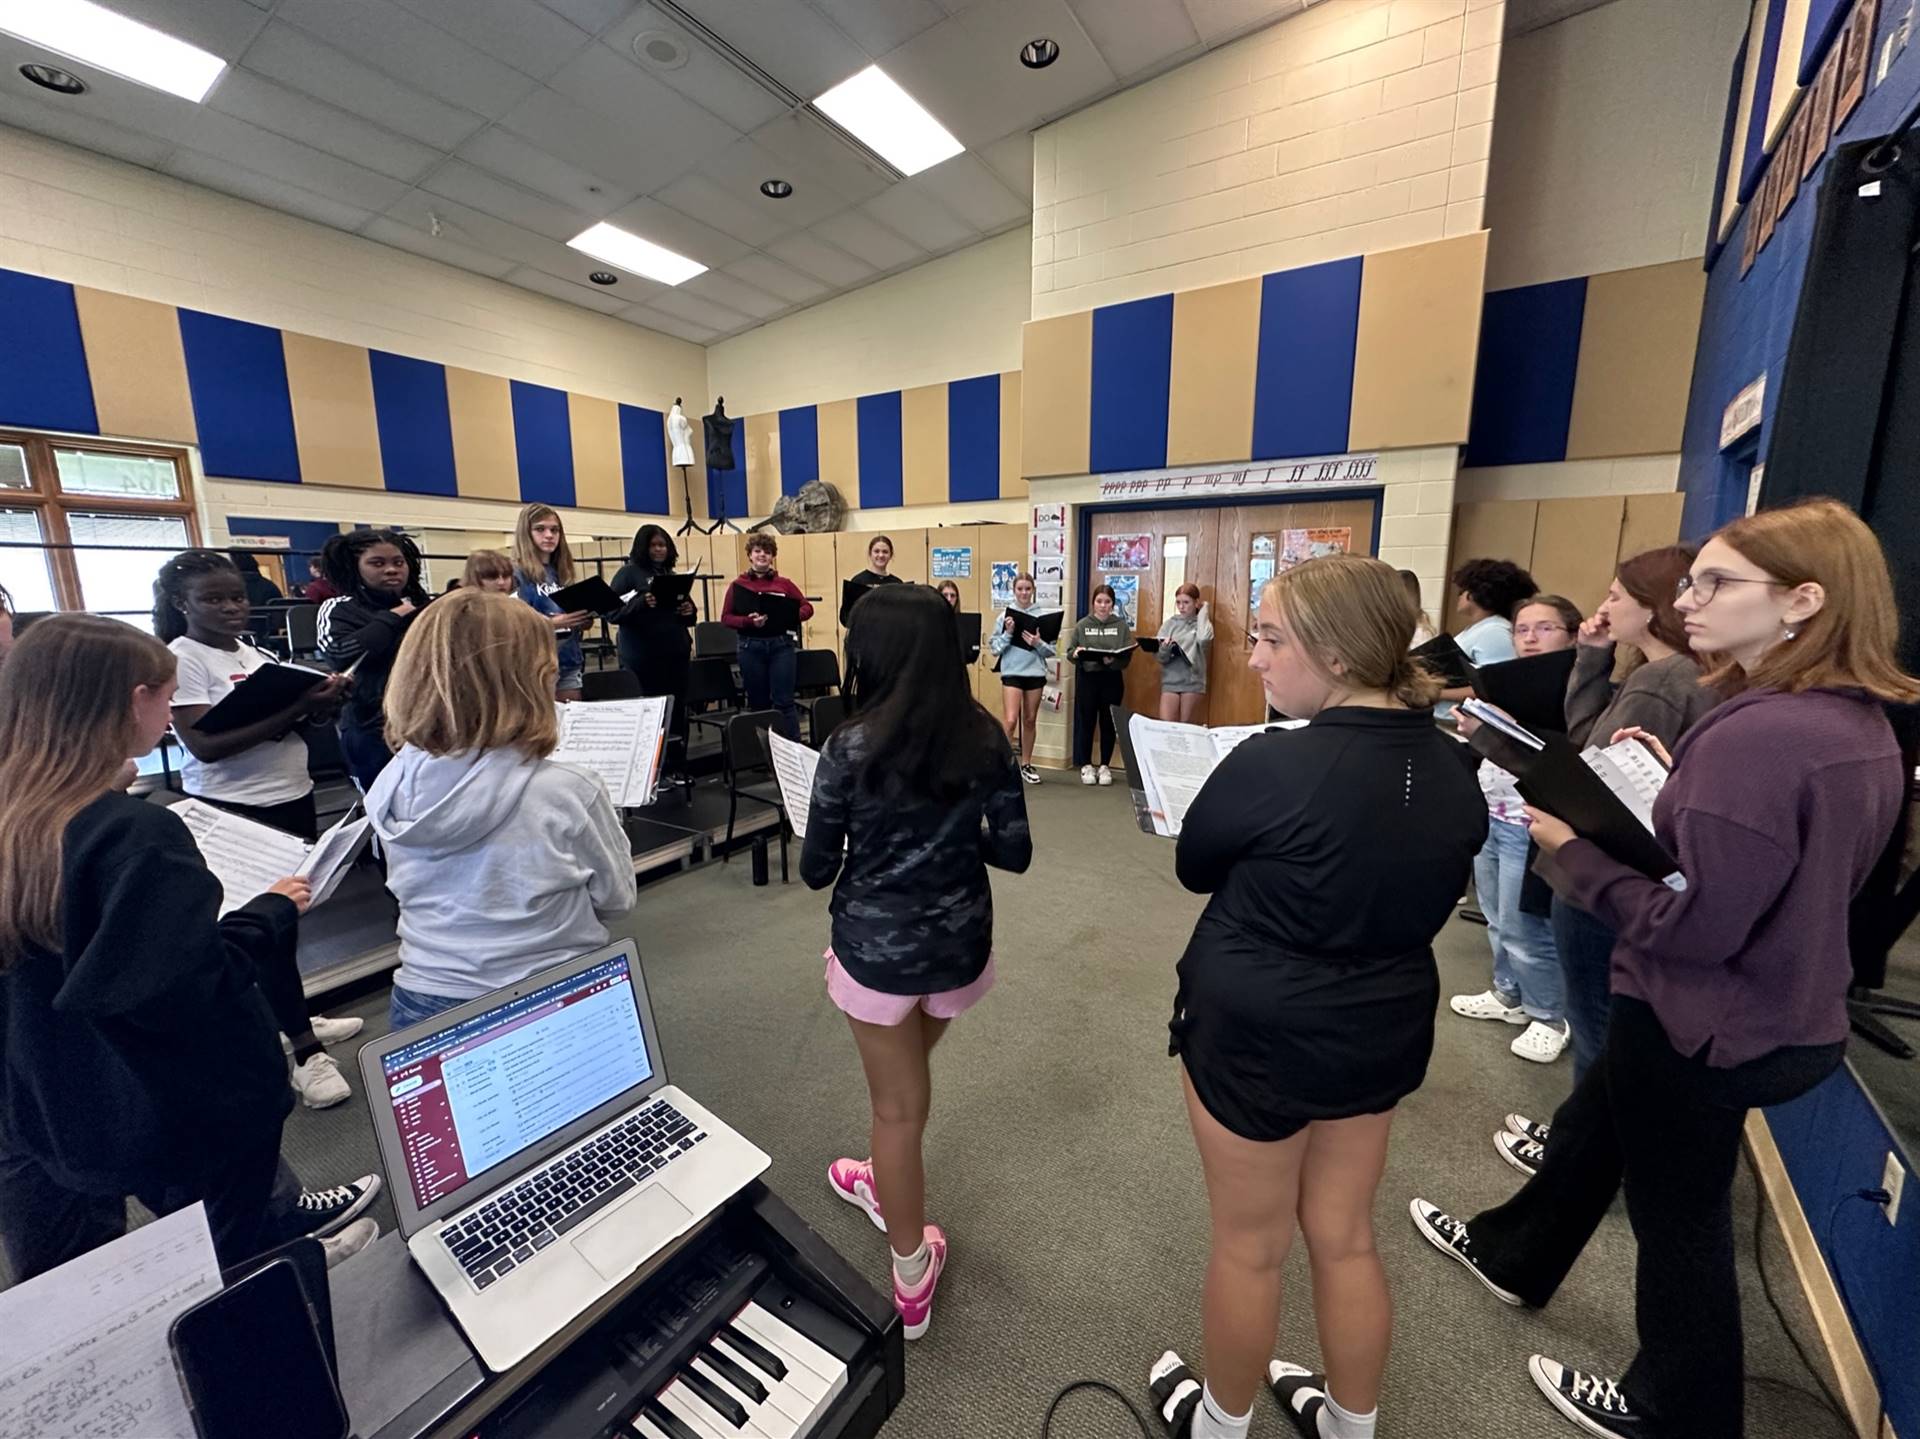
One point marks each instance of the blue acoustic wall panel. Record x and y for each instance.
(643, 460)
(727, 489)
(1132, 373)
(1753, 161)
(237, 374)
(799, 448)
(543, 443)
(881, 478)
(304, 539)
(1824, 18)
(415, 426)
(1523, 381)
(43, 363)
(1303, 380)
(973, 439)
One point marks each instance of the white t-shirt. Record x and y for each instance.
(272, 772)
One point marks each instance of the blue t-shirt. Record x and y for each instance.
(538, 594)
(1487, 642)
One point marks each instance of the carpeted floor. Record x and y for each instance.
(1060, 1163)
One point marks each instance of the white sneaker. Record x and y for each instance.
(1542, 1043)
(1086, 774)
(332, 1031)
(1030, 774)
(319, 1082)
(1106, 775)
(350, 1241)
(1487, 1005)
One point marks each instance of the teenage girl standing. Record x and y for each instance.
(1023, 674)
(655, 638)
(767, 656)
(543, 563)
(376, 574)
(950, 592)
(915, 797)
(1100, 683)
(879, 557)
(1185, 637)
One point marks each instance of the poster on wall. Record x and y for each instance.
(1749, 241)
(1001, 579)
(1854, 50)
(1298, 546)
(1047, 596)
(952, 563)
(1819, 108)
(1049, 517)
(1053, 699)
(1126, 596)
(1050, 571)
(1786, 159)
(1122, 552)
(1049, 542)
(1763, 212)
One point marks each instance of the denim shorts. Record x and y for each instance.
(569, 680)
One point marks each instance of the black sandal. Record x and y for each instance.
(1176, 1396)
(1302, 1396)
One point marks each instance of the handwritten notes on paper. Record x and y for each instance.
(83, 1348)
(793, 767)
(619, 740)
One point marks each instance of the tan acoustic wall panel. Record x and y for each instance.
(1056, 402)
(1575, 544)
(1216, 351)
(1636, 361)
(485, 464)
(1651, 522)
(923, 445)
(761, 436)
(839, 424)
(1490, 530)
(1419, 336)
(137, 365)
(1013, 484)
(822, 632)
(331, 386)
(597, 480)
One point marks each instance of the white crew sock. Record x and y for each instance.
(910, 1269)
(1211, 1420)
(1338, 1423)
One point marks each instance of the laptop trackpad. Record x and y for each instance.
(632, 1232)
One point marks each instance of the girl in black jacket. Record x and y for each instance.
(655, 637)
(141, 1056)
(377, 573)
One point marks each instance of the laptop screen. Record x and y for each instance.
(472, 1096)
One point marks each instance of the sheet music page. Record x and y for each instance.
(793, 766)
(246, 857)
(83, 1348)
(1632, 773)
(1229, 737)
(333, 855)
(1175, 760)
(619, 740)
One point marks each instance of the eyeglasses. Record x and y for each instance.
(1708, 585)
(1543, 629)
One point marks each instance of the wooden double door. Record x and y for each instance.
(1229, 554)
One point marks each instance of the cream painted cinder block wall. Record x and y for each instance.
(1357, 126)
(1635, 475)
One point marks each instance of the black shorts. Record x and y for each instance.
(1023, 682)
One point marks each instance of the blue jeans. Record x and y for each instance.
(766, 669)
(1525, 967)
(364, 748)
(409, 1007)
(1586, 960)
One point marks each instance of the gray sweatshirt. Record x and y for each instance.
(1663, 697)
(1188, 669)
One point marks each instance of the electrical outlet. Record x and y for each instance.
(1893, 1179)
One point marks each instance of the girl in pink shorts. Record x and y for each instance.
(915, 797)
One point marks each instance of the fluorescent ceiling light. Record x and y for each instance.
(627, 250)
(109, 41)
(888, 121)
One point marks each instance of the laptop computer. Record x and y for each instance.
(536, 1153)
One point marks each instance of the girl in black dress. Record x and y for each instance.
(655, 636)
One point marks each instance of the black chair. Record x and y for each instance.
(816, 673)
(748, 760)
(303, 629)
(610, 685)
(824, 716)
(713, 640)
(710, 681)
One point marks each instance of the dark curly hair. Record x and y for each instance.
(340, 562)
(1497, 586)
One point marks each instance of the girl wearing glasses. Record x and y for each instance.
(1729, 989)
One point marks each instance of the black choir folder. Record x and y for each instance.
(1554, 777)
(1443, 655)
(1047, 624)
(671, 588)
(782, 611)
(593, 595)
(263, 693)
(1533, 689)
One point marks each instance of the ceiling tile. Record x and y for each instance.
(530, 38)
(502, 153)
(1134, 35)
(735, 294)
(593, 16)
(919, 217)
(400, 43)
(702, 312)
(272, 106)
(80, 129)
(652, 319)
(868, 239)
(799, 47)
(1219, 20)
(707, 79)
(805, 144)
(590, 296)
(265, 153)
(814, 256)
(302, 63)
(648, 114)
(1012, 160)
(878, 26)
(109, 100)
(230, 179)
(770, 275)
(741, 167)
(560, 127)
(464, 225)
(389, 231)
(683, 234)
(753, 223)
(973, 192)
(457, 180)
(225, 27)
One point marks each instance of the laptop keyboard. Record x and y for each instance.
(490, 1242)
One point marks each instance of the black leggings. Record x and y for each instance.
(1095, 692)
(1670, 1127)
(279, 980)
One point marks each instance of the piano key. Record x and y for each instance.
(715, 1397)
(773, 1415)
(762, 1358)
(681, 1402)
(766, 1326)
(736, 1377)
(647, 1429)
(669, 1423)
(813, 1389)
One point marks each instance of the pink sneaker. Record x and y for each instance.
(852, 1180)
(916, 1304)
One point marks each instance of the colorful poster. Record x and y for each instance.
(1298, 546)
(953, 564)
(1003, 574)
(1126, 596)
(1048, 542)
(1123, 552)
(1049, 517)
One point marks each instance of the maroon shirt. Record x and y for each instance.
(1777, 810)
(774, 583)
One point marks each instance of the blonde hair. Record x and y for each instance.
(486, 565)
(528, 559)
(1850, 642)
(1354, 610)
(475, 672)
(66, 728)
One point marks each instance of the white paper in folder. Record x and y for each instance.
(249, 858)
(793, 766)
(619, 740)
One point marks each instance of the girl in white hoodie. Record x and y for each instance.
(504, 861)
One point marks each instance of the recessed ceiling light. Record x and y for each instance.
(60, 82)
(1038, 54)
(627, 250)
(775, 189)
(604, 277)
(98, 36)
(888, 121)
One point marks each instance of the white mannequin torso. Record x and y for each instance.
(680, 436)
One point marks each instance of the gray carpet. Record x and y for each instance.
(1060, 1163)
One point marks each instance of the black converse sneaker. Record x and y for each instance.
(1528, 1128)
(1176, 1394)
(1449, 1236)
(1525, 1155)
(1302, 1395)
(319, 1212)
(1595, 1404)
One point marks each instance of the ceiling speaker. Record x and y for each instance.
(660, 50)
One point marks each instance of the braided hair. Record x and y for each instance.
(340, 562)
(170, 588)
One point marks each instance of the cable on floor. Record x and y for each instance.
(1099, 1386)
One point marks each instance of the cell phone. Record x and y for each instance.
(251, 1361)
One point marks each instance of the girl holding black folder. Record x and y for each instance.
(543, 563)
(1101, 647)
(1023, 674)
(655, 635)
(376, 576)
(767, 652)
(879, 556)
